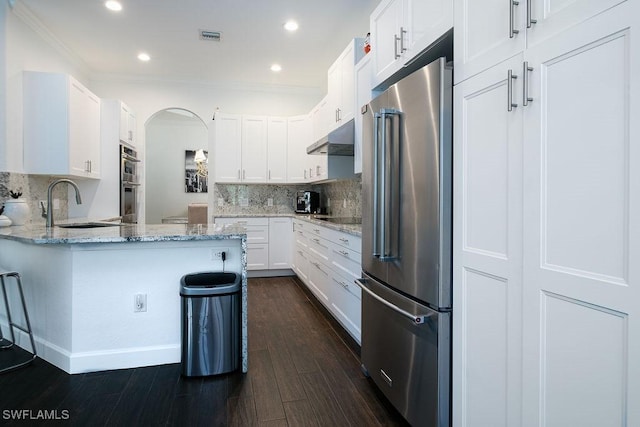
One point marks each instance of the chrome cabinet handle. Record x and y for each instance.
(418, 319)
(244, 174)
(317, 230)
(512, 31)
(339, 116)
(343, 240)
(341, 283)
(526, 99)
(316, 240)
(344, 253)
(510, 78)
(238, 174)
(396, 39)
(269, 174)
(305, 174)
(530, 20)
(402, 33)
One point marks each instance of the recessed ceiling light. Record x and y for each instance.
(291, 26)
(276, 68)
(144, 57)
(113, 5)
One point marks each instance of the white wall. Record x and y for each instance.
(167, 140)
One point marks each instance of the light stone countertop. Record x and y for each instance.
(120, 233)
(353, 229)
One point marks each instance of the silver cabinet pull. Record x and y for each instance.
(341, 283)
(530, 20)
(305, 174)
(344, 253)
(418, 319)
(510, 78)
(396, 39)
(317, 230)
(316, 240)
(269, 174)
(525, 84)
(512, 31)
(343, 240)
(238, 174)
(402, 33)
(244, 174)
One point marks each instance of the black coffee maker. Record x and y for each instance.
(307, 202)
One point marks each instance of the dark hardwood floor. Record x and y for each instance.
(302, 372)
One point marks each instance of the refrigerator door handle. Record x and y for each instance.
(418, 319)
(386, 253)
(376, 201)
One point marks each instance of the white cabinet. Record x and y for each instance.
(364, 94)
(341, 84)
(298, 137)
(547, 223)
(320, 120)
(280, 230)
(488, 31)
(328, 261)
(401, 29)
(228, 148)
(61, 126)
(254, 149)
(277, 150)
(127, 125)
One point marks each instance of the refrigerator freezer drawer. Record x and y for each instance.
(408, 361)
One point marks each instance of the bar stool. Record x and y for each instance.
(5, 343)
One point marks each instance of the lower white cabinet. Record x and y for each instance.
(328, 261)
(268, 241)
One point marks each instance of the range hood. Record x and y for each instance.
(338, 142)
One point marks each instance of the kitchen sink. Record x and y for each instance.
(87, 225)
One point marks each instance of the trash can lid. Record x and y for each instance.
(209, 283)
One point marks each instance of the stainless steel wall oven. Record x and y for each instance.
(129, 183)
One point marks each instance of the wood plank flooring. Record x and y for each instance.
(303, 371)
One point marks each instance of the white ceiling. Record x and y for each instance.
(252, 37)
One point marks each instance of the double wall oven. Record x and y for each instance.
(129, 183)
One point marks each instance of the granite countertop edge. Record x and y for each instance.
(353, 229)
(128, 233)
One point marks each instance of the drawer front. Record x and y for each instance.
(319, 247)
(346, 261)
(301, 264)
(242, 221)
(319, 280)
(346, 305)
(257, 234)
(346, 240)
(257, 257)
(301, 239)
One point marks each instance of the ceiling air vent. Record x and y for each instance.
(214, 36)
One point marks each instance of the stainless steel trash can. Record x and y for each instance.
(210, 323)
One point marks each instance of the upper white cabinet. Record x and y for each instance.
(277, 150)
(228, 148)
(341, 85)
(254, 149)
(127, 125)
(401, 29)
(280, 232)
(61, 126)
(488, 31)
(364, 94)
(299, 137)
(546, 228)
(321, 120)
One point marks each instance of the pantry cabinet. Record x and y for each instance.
(488, 32)
(401, 29)
(546, 225)
(61, 126)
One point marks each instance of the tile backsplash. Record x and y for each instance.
(34, 189)
(342, 198)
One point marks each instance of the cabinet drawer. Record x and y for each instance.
(300, 238)
(319, 247)
(319, 280)
(346, 261)
(301, 264)
(258, 256)
(242, 221)
(346, 240)
(346, 305)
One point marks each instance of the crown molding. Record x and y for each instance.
(26, 15)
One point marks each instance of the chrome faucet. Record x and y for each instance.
(48, 212)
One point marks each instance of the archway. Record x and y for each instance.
(173, 136)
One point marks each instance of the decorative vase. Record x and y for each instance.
(4, 221)
(17, 210)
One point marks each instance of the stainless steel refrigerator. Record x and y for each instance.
(406, 244)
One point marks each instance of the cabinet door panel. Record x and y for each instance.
(426, 20)
(385, 26)
(482, 38)
(299, 137)
(254, 149)
(582, 225)
(277, 150)
(487, 250)
(228, 143)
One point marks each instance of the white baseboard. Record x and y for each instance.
(270, 273)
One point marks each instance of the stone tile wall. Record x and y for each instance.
(34, 189)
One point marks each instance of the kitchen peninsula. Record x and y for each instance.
(80, 286)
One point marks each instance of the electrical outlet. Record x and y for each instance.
(216, 254)
(140, 303)
(269, 201)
